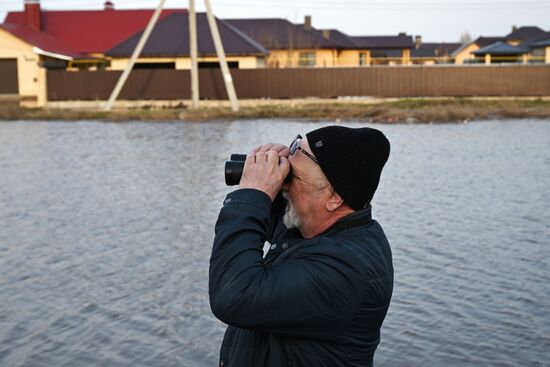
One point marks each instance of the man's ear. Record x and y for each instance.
(334, 201)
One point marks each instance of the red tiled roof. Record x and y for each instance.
(42, 40)
(92, 31)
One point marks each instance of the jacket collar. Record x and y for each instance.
(358, 218)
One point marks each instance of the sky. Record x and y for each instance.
(434, 20)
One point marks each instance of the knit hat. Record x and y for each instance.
(352, 160)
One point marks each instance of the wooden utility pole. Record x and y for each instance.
(135, 55)
(228, 80)
(194, 54)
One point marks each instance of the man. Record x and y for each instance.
(321, 293)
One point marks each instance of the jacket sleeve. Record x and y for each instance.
(312, 295)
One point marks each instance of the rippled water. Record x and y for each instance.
(106, 231)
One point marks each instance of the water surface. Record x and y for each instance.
(106, 231)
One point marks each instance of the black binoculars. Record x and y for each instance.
(234, 169)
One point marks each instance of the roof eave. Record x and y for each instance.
(55, 55)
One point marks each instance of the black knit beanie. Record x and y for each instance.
(352, 160)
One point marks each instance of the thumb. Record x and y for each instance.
(284, 164)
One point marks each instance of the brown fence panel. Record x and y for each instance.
(98, 85)
(379, 81)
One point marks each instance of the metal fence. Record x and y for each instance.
(394, 81)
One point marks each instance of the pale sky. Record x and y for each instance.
(434, 20)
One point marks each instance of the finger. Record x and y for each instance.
(272, 158)
(284, 153)
(261, 157)
(266, 147)
(284, 165)
(278, 147)
(250, 159)
(256, 150)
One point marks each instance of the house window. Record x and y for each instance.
(216, 65)
(307, 59)
(362, 58)
(155, 65)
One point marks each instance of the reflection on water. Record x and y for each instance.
(106, 230)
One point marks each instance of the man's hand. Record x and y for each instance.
(265, 169)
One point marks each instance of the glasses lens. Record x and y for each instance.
(294, 144)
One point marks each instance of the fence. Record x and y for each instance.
(396, 81)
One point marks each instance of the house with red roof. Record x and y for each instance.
(35, 39)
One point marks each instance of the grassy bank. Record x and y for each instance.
(418, 110)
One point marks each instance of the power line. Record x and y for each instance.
(391, 5)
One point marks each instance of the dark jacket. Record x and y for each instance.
(309, 302)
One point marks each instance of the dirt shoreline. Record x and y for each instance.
(409, 110)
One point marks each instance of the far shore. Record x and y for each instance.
(378, 110)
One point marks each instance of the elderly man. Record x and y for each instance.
(321, 293)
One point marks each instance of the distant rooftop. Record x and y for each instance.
(501, 48)
(277, 34)
(526, 32)
(400, 41)
(162, 41)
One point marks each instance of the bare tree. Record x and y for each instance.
(465, 37)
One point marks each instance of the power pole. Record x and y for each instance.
(135, 55)
(194, 53)
(228, 80)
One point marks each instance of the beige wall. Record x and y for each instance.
(184, 63)
(31, 77)
(547, 55)
(351, 57)
(406, 56)
(466, 53)
(290, 58)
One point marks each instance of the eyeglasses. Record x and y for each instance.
(295, 145)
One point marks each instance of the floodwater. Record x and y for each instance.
(106, 231)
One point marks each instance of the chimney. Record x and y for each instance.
(514, 28)
(418, 41)
(326, 33)
(402, 34)
(307, 22)
(32, 14)
(109, 5)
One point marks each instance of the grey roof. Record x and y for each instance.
(501, 48)
(523, 33)
(486, 41)
(170, 37)
(384, 42)
(435, 49)
(542, 41)
(344, 41)
(280, 34)
(532, 41)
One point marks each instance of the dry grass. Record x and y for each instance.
(389, 111)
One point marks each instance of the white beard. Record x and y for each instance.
(291, 219)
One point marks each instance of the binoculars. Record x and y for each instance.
(234, 169)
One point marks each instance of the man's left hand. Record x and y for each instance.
(266, 168)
